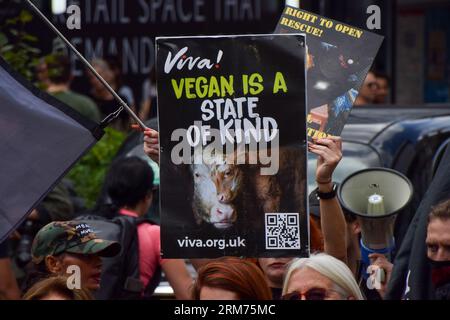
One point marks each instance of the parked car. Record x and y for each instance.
(408, 139)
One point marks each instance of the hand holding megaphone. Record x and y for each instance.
(380, 272)
(375, 196)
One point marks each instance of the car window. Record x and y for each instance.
(355, 157)
(439, 154)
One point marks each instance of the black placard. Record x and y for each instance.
(339, 58)
(243, 197)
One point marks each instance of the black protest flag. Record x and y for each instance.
(40, 140)
(411, 278)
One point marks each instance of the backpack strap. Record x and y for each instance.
(144, 220)
(153, 283)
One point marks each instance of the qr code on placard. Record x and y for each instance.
(282, 231)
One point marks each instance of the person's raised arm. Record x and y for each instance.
(198, 263)
(179, 278)
(329, 152)
(151, 144)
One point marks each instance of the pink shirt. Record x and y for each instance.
(149, 248)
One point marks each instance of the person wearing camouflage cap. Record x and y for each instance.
(61, 244)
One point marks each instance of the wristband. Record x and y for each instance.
(327, 195)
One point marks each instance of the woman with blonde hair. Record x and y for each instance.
(56, 288)
(320, 277)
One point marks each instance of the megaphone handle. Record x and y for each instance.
(381, 275)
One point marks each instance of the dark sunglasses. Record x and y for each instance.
(311, 294)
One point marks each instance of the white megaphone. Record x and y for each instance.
(375, 196)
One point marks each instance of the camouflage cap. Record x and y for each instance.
(73, 237)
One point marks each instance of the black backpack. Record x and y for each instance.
(120, 279)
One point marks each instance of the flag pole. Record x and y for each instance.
(88, 65)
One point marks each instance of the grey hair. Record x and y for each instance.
(330, 267)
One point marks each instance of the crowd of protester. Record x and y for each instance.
(62, 237)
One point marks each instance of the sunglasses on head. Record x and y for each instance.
(311, 294)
